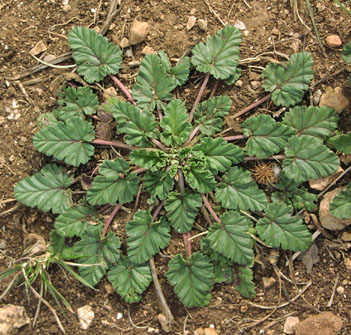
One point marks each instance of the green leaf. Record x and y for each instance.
(289, 81)
(209, 114)
(279, 228)
(346, 53)
(158, 183)
(294, 194)
(266, 136)
(75, 220)
(179, 72)
(182, 209)
(314, 121)
(307, 158)
(130, 280)
(234, 77)
(342, 143)
(220, 54)
(47, 190)
(198, 177)
(76, 102)
(139, 127)
(175, 124)
(98, 254)
(113, 184)
(153, 85)
(243, 281)
(59, 246)
(66, 141)
(145, 237)
(192, 280)
(218, 154)
(46, 120)
(231, 239)
(341, 204)
(95, 57)
(153, 159)
(239, 191)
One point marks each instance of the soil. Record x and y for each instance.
(271, 32)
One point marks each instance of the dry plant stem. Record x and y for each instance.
(109, 220)
(38, 296)
(123, 89)
(116, 144)
(166, 310)
(12, 283)
(38, 307)
(234, 138)
(252, 106)
(199, 96)
(334, 181)
(253, 158)
(330, 302)
(210, 209)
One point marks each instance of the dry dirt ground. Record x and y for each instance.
(271, 30)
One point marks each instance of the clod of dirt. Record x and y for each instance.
(311, 257)
(327, 220)
(109, 92)
(340, 290)
(202, 23)
(163, 322)
(138, 32)
(334, 98)
(255, 84)
(191, 22)
(325, 323)
(148, 50)
(347, 262)
(199, 331)
(290, 323)
(38, 48)
(66, 8)
(108, 288)
(210, 331)
(333, 41)
(321, 183)
(11, 317)
(85, 316)
(346, 236)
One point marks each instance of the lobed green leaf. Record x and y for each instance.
(145, 237)
(153, 85)
(198, 177)
(67, 141)
(266, 136)
(315, 121)
(239, 191)
(220, 54)
(192, 280)
(47, 190)
(346, 52)
(218, 154)
(279, 228)
(130, 280)
(342, 143)
(307, 158)
(289, 81)
(175, 124)
(341, 204)
(114, 184)
(182, 209)
(231, 239)
(158, 183)
(149, 159)
(243, 281)
(95, 57)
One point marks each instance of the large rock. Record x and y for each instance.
(327, 220)
(11, 317)
(325, 323)
(334, 98)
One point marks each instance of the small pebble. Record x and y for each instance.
(199, 331)
(340, 290)
(346, 236)
(243, 308)
(119, 316)
(275, 31)
(85, 316)
(255, 84)
(191, 22)
(238, 83)
(108, 287)
(148, 50)
(124, 42)
(192, 11)
(334, 98)
(202, 24)
(290, 324)
(66, 8)
(210, 331)
(138, 32)
(49, 58)
(333, 41)
(2, 244)
(240, 25)
(268, 282)
(38, 48)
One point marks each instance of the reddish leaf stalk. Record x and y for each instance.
(199, 96)
(253, 158)
(116, 144)
(192, 134)
(252, 106)
(233, 138)
(140, 170)
(159, 144)
(157, 210)
(214, 89)
(123, 89)
(109, 220)
(210, 209)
